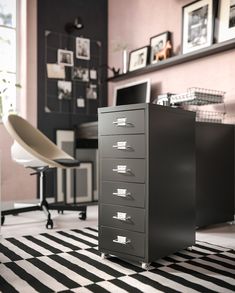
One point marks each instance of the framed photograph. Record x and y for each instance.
(65, 57)
(81, 73)
(138, 58)
(82, 48)
(64, 90)
(226, 20)
(65, 139)
(198, 25)
(157, 44)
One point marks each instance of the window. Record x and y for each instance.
(8, 55)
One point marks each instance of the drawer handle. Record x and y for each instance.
(121, 122)
(122, 169)
(122, 240)
(121, 145)
(122, 217)
(121, 192)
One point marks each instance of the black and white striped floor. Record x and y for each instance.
(69, 261)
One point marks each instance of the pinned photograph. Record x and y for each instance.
(82, 48)
(64, 90)
(55, 71)
(65, 57)
(80, 73)
(80, 102)
(93, 74)
(91, 92)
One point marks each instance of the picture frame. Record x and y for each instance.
(157, 43)
(82, 48)
(226, 20)
(65, 139)
(64, 90)
(138, 58)
(65, 57)
(80, 73)
(198, 25)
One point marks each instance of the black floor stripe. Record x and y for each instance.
(95, 251)
(154, 284)
(125, 264)
(97, 289)
(218, 262)
(92, 229)
(85, 234)
(75, 268)
(185, 256)
(59, 241)
(43, 244)
(77, 238)
(212, 269)
(24, 247)
(170, 259)
(200, 253)
(9, 253)
(222, 256)
(180, 280)
(98, 265)
(203, 277)
(60, 277)
(210, 249)
(33, 282)
(231, 251)
(5, 287)
(125, 286)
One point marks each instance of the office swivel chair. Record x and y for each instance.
(32, 149)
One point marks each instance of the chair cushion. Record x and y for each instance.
(68, 162)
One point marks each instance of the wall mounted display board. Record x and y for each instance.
(73, 74)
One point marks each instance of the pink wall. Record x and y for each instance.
(133, 22)
(16, 183)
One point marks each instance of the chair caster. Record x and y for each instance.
(2, 220)
(104, 255)
(82, 216)
(145, 265)
(49, 224)
(61, 212)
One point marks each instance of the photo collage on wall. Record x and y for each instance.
(72, 76)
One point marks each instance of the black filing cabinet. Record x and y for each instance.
(147, 181)
(214, 173)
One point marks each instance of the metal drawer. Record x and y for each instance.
(122, 217)
(125, 122)
(123, 146)
(122, 193)
(127, 170)
(123, 241)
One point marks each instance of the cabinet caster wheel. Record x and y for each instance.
(82, 216)
(190, 248)
(104, 255)
(2, 220)
(145, 265)
(49, 224)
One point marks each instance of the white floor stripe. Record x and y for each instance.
(137, 284)
(214, 265)
(207, 251)
(111, 287)
(91, 240)
(177, 258)
(78, 243)
(232, 255)
(81, 290)
(16, 250)
(35, 246)
(16, 282)
(53, 243)
(69, 240)
(41, 276)
(3, 258)
(163, 262)
(90, 232)
(195, 280)
(87, 267)
(227, 261)
(167, 282)
(192, 254)
(107, 262)
(209, 273)
(67, 272)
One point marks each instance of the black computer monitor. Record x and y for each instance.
(132, 93)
